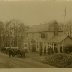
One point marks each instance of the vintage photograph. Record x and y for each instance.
(36, 34)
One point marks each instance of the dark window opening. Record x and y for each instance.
(61, 49)
(43, 35)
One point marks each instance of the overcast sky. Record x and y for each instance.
(35, 12)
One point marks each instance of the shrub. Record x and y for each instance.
(61, 60)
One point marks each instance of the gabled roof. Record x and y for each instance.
(60, 38)
(44, 27)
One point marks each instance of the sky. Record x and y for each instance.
(35, 12)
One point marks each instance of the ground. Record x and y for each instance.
(28, 62)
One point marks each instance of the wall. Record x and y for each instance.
(66, 41)
(37, 37)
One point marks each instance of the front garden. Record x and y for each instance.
(60, 60)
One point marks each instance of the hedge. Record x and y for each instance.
(60, 60)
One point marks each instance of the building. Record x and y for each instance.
(60, 42)
(50, 35)
(39, 36)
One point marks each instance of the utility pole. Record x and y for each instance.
(65, 15)
(68, 26)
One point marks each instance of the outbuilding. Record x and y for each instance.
(60, 42)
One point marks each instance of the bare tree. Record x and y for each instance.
(15, 31)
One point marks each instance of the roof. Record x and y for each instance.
(59, 38)
(43, 27)
(38, 28)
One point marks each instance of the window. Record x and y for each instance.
(25, 45)
(61, 49)
(43, 35)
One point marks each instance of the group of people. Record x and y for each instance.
(16, 52)
(13, 52)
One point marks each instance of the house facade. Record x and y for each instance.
(46, 36)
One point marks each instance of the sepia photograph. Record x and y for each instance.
(35, 34)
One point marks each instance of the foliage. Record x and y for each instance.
(1, 34)
(12, 33)
(60, 60)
